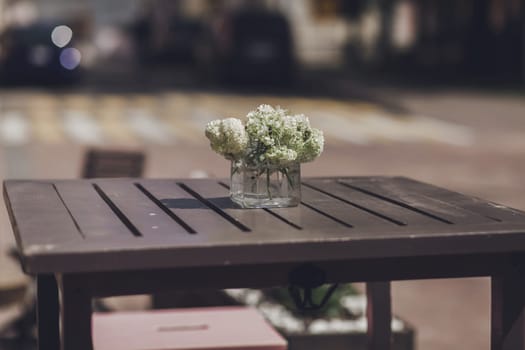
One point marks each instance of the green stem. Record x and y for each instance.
(285, 173)
(268, 183)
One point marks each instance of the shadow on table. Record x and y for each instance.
(190, 203)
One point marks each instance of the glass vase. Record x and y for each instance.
(265, 186)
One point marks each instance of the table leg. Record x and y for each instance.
(75, 316)
(379, 315)
(508, 300)
(47, 313)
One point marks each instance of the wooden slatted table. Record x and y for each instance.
(94, 238)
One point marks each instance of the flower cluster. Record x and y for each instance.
(227, 137)
(270, 136)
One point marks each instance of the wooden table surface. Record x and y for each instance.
(124, 236)
(125, 224)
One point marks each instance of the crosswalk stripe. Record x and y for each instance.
(177, 112)
(111, 101)
(46, 126)
(41, 101)
(185, 130)
(115, 128)
(339, 127)
(149, 128)
(14, 129)
(167, 117)
(146, 101)
(198, 118)
(82, 127)
(78, 101)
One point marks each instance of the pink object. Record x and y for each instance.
(219, 328)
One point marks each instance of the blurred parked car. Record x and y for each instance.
(250, 46)
(254, 46)
(172, 40)
(40, 53)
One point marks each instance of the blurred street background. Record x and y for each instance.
(429, 89)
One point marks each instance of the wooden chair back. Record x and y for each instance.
(106, 163)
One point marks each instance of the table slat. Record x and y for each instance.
(406, 195)
(93, 216)
(39, 218)
(192, 211)
(147, 218)
(305, 217)
(341, 210)
(376, 206)
(480, 206)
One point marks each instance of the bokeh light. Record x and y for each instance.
(61, 35)
(70, 58)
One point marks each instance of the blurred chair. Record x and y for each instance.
(109, 163)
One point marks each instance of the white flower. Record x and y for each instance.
(312, 147)
(271, 137)
(281, 156)
(227, 137)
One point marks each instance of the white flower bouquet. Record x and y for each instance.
(271, 142)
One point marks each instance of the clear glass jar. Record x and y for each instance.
(265, 187)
